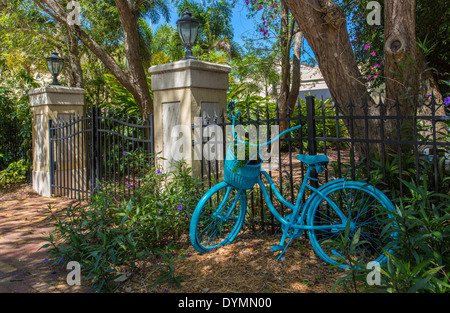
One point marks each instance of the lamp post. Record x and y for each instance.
(188, 30)
(55, 66)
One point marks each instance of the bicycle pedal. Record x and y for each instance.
(277, 248)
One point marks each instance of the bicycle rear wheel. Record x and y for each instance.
(218, 217)
(367, 209)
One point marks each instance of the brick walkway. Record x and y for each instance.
(23, 268)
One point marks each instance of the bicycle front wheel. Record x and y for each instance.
(218, 217)
(366, 209)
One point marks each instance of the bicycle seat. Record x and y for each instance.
(313, 159)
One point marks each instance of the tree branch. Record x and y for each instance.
(138, 3)
(109, 62)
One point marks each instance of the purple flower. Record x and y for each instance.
(447, 101)
(54, 272)
(46, 260)
(158, 172)
(180, 207)
(124, 153)
(128, 185)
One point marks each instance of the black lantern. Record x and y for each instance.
(55, 66)
(188, 30)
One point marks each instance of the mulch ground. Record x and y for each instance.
(245, 266)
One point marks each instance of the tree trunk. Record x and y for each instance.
(324, 26)
(135, 81)
(285, 47)
(296, 71)
(128, 19)
(401, 65)
(290, 86)
(74, 58)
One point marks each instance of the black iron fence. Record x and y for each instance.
(360, 146)
(98, 150)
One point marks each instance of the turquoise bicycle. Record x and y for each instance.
(330, 210)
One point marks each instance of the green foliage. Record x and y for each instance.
(215, 36)
(8, 128)
(111, 233)
(362, 35)
(420, 229)
(122, 101)
(247, 100)
(15, 127)
(166, 268)
(349, 247)
(16, 172)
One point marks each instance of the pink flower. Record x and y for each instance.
(369, 77)
(366, 47)
(373, 53)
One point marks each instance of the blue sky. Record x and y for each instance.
(242, 25)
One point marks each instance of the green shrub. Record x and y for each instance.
(421, 247)
(107, 234)
(16, 172)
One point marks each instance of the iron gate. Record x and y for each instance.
(98, 150)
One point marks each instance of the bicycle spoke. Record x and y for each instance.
(220, 218)
(364, 209)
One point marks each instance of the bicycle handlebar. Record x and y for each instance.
(230, 110)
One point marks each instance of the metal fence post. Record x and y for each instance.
(311, 129)
(93, 151)
(52, 165)
(311, 125)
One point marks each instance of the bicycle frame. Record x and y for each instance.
(298, 205)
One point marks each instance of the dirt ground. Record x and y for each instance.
(245, 266)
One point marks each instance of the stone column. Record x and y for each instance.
(50, 103)
(181, 92)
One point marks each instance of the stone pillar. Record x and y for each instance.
(181, 92)
(50, 103)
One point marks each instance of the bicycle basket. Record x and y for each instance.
(241, 177)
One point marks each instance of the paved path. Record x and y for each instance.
(23, 267)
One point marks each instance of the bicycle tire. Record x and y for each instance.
(218, 217)
(369, 208)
